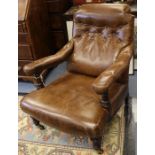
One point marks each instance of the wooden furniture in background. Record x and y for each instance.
(58, 30)
(42, 31)
(33, 35)
(79, 2)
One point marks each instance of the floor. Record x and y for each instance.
(131, 130)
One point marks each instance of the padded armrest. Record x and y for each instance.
(114, 71)
(47, 62)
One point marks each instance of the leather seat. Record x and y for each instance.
(96, 82)
(70, 100)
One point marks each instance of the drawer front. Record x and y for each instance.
(58, 39)
(22, 27)
(57, 5)
(56, 21)
(21, 64)
(23, 38)
(24, 52)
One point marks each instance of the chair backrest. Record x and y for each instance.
(100, 32)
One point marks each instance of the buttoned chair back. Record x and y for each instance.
(100, 33)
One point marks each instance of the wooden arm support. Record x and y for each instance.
(105, 101)
(38, 81)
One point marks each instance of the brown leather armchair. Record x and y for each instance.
(88, 95)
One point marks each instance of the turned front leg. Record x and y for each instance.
(97, 144)
(37, 123)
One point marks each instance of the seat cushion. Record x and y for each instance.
(71, 104)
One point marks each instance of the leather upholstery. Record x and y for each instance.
(113, 72)
(100, 35)
(71, 103)
(98, 61)
(39, 65)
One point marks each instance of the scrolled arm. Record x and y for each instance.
(39, 65)
(114, 71)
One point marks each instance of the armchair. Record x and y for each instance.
(95, 85)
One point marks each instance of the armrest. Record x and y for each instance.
(112, 73)
(39, 65)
